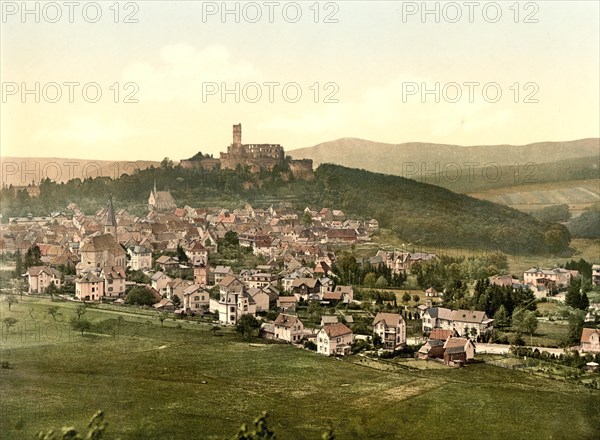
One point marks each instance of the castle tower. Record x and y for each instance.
(110, 224)
(237, 135)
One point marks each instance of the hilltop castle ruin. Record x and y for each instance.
(255, 156)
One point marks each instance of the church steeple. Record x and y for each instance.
(110, 224)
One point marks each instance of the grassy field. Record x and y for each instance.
(167, 382)
(577, 194)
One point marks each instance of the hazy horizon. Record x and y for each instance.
(397, 75)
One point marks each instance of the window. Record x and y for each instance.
(232, 309)
(196, 298)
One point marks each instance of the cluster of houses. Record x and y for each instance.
(101, 247)
(298, 255)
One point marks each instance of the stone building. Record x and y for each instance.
(160, 200)
(261, 157)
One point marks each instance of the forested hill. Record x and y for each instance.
(428, 214)
(417, 212)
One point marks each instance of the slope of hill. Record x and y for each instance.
(22, 171)
(417, 212)
(422, 161)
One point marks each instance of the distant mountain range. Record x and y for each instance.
(414, 159)
(21, 171)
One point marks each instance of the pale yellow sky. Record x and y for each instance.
(362, 76)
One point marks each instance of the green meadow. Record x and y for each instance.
(181, 381)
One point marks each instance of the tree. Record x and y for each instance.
(81, 325)
(518, 317)
(18, 264)
(416, 298)
(576, 296)
(51, 290)
(20, 287)
(95, 430)
(501, 317)
(162, 316)
(381, 282)
(406, 297)
(11, 299)
(80, 310)
(260, 431)
(176, 300)
(231, 238)
(9, 322)
(557, 237)
(307, 219)
(246, 325)
(53, 311)
(33, 257)
(166, 164)
(530, 323)
(315, 310)
(141, 296)
(370, 279)
(181, 254)
(139, 277)
(576, 321)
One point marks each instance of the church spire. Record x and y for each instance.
(110, 225)
(154, 185)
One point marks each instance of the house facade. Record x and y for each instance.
(558, 276)
(590, 340)
(140, 258)
(40, 277)
(89, 287)
(234, 301)
(391, 328)
(596, 274)
(288, 328)
(464, 322)
(195, 298)
(114, 281)
(334, 340)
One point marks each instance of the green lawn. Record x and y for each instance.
(183, 383)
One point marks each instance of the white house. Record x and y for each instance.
(114, 281)
(234, 301)
(89, 287)
(590, 340)
(140, 258)
(559, 276)
(464, 322)
(596, 274)
(195, 297)
(160, 281)
(391, 328)
(288, 328)
(40, 277)
(334, 339)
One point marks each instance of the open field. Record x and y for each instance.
(577, 194)
(169, 383)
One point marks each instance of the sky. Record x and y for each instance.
(148, 80)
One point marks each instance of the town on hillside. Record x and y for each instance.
(296, 277)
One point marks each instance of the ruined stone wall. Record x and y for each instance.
(302, 169)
